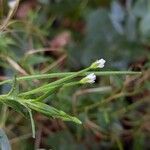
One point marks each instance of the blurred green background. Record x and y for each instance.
(46, 36)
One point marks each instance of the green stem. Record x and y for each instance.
(55, 83)
(71, 84)
(37, 90)
(64, 74)
(53, 89)
(50, 91)
(3, 116)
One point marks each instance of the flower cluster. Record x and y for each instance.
(92, 77)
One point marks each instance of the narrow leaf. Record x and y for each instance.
(15, 87)
(32, 123)
(16, 106)
(51, 111)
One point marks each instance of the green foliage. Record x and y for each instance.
(5, 43)
(114, 111)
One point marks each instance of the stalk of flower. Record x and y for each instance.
(88, 79)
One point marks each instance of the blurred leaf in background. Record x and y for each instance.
(4, 143)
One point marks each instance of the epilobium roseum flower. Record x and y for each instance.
(11, 3)
(98, 64)
(88, 79)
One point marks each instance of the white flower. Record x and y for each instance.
(98, 64)
(89, 78)
(12, 3)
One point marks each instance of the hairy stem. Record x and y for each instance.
(64, 74)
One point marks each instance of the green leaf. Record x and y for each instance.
(32, 123)
(51, 111)
(48, 93)
(15, 88)
(139, 142)
(16, 106)
(35, 59)
(5, 42)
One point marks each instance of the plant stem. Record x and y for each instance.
(64, 74)
(3, 116)
(55, 83)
